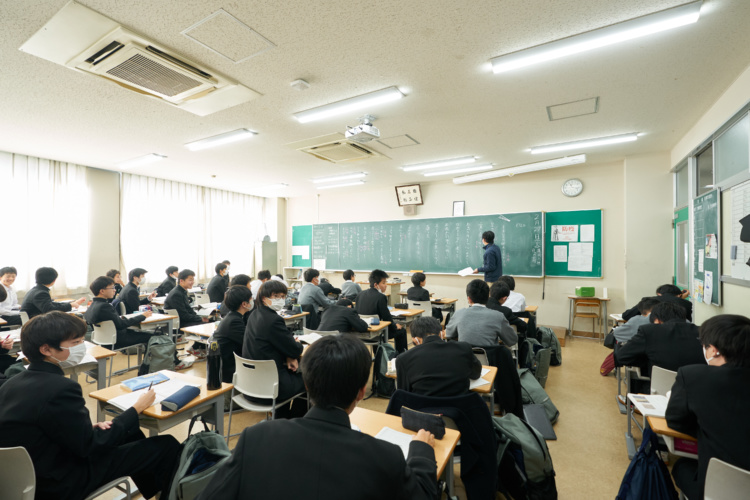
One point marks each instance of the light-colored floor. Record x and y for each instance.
(589, 455)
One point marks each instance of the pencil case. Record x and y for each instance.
(416, 420)
(180, 398)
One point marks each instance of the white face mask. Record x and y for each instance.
(277, 304)
(77, 352)
(708, 360)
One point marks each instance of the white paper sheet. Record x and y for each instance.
(473, 384)
(466, 271)
(565, 233)
(700, 261)
(400, 439)
(580, 257)
(310, 338)
(587, 232)
(319, 264)
(653, 404)
(561, 253)
(708, 287)
(302, 250)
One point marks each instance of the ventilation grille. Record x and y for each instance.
(148, 74)
(335, 148)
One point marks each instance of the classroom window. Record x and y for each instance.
(733, 151)
(705, 168)
(682, 197)
(682, 254)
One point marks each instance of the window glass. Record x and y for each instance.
(733, 150)
(683, 194)
(705, 171)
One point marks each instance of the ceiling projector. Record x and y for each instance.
(364, 132)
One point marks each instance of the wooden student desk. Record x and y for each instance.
(408, 315)
(372, 422)
(156, 319)
(482, 389)
(3, 322)
(156, 420)
(678, 443)
(392, 291)
(293, 318)
(202, 330)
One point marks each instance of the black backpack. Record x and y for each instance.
(382, 385)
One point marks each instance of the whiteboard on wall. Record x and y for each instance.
(739, 251)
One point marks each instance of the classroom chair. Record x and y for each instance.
(662, 380)
(426, 305)
(258, 379)
(725, 481)
(481, 355)
(590, 309)
(306, 330)
(176, 322)
(632, 374)
(105, 334)
(201, 298)
(17, 474)
(115, 483)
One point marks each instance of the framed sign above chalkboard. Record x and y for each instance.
(409, 195)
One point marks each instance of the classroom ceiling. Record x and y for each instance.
(436, 52)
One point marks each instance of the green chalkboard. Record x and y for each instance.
(706, 245)
(441, 245)
(301, 246)
(573, 243)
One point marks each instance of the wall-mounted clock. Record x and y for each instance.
(572, 187)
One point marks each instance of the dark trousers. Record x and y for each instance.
(399, 338)
(685, 474)
(290, 384)
(12, 320)
(131, 337)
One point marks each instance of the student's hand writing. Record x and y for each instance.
(684, 294)
(103, 425)
(205, 319)
(425, 437)
(148, 314)
(292, 364)
(8, 343)
(145, 401)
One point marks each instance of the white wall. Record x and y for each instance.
(104, 221)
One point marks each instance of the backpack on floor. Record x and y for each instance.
(524, 464)
(161, 354)
(647, 476)
(549, 340)
(201, 456)
(533, 393)
(527, 352)
(382, 385)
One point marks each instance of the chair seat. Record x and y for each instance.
(586, 315)
(251, 406)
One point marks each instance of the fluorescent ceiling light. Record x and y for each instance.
(586, 143)
(522, 169)
(473, 168)
(329, 186)
(218, 140)
(439, 163)
(280, 185)
(357, 103)
(141, 160)
(344, 177)
(615, 33)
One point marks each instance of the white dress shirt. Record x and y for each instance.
(516, 302)
(10, 306)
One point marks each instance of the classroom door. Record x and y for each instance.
(681, 248)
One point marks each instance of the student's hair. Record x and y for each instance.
(185, 274)
(324, 280)
(730, 335)
(669, 290)
(488, 236)
(417, 279)
(348, 274)
(478, 291)
(280, 276)
(264, 275)
(112, 273)
(45, 275)
(226, 262)
(8, 270)
(51, 328)
(424, 326)
(344, 302)
(171, 270)
(138, 271)
(220, 267)
(499, 290)
(336, 367)
(236, 295)
(3, 294)
(267, 289)
(310, 274)
(508, 280)
(667, 311)
(376, 276)
(647, 304)
(240, 279)
(100, 283)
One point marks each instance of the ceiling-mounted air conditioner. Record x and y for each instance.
(335, 148)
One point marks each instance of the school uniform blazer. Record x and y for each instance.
(437, 368)
(712, 403)
(100, 310)
(372, 302)
(166, 286)
(669, 345)
(267, 337)
(329, 288)
(342, 319)
(310, 294)
(685, 304)
(130, 296)
(44, 411)
(480, 326)
(178, 299)
(38, 301)
(230, 335)
(339, 463)
(508, 313)
(216, 288)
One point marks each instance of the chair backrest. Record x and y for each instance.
(662, 380)
(481, 355)
(306, 330)
(725, 481)
(367, 316)
(201, 298)
(173, 312)
(121, 307)
(17, 473)
(24, 317)
(104, 333)
(425, 305)
(258, 379)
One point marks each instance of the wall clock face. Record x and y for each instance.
(572, 187)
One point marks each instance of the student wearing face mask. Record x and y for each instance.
(45, 412)
(267, 337)
(373, 301)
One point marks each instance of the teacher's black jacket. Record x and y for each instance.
(339, 463)
(178, 299)
(38, 301)
(342, 319)
(230, 335)
(44, 411)
(130, 296)
(216, 288)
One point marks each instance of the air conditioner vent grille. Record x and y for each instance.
(149, 74)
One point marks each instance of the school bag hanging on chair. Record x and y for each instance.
(647, 476)
(381, 384)
(161, 354)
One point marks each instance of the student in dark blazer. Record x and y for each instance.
(178, 299)
(169, 282)
(499, 292)
(435, 367)
(362, 467)
(117, 278)
(342, 318)
(227, 279)
(374, 302)
(666, 293)
(45, 412)
(238, 280)
(130, 294)
(101, 310)
(231, 331)
(328, 288)
(712, 402)
(419, 293)
(669, 342)
(218, 285)
(38, 299)
(6, 344)
(267, 337)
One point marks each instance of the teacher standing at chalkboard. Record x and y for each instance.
(493, 259)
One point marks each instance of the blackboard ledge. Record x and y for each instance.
(579, 277)
(480, 275)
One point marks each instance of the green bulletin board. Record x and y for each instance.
(302, 246)
(706, 246)
(573, 243)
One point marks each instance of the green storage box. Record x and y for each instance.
(585, 291)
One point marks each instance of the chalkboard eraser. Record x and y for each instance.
(734, 252)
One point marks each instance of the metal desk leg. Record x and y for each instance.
(173, 334)
(570, 316)
(304, 322)
(100, 410)
(604, 320)
(448, 473)
(101, 372)
(218, 414)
